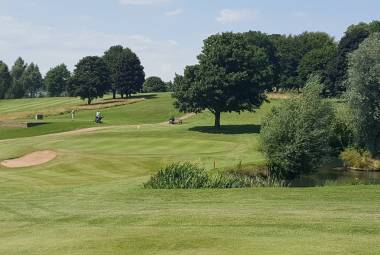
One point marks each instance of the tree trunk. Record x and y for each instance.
(114, 93)
(89, 101)
(122, 95)
(217, 119)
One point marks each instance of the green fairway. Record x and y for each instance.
(155, 109)
(90, 199)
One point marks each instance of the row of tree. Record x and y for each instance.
(118, 71)
(22, 80)
(295, 58)
(235, 69)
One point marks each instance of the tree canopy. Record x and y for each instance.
(57, 81)
(353, 37)
(17, 89)
(91, 78)
(231, 76)
(316, 62)
(31, 80)
(290, 50)
(364, 92)
(126, 72)
(5, 79)
(154, 84)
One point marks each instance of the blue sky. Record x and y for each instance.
(166, 34)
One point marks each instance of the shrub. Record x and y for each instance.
(236, 180)
(179, 176)
(189, 176)
(154, 84)
(296, 135)
(230, 181)
(360, 159)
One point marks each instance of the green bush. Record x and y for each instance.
(296, 136)
(230, 181)
(360, 159)
(189, 176)
(239, 180)
(154, 84)
(179, 176)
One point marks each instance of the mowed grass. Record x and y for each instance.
(156, 108)
(90, 200)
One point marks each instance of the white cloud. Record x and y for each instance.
(49, 46)
(235, 16)
(142, 2)
(174, 12)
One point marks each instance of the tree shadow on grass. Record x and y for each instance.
(146, 96)
(229, 129)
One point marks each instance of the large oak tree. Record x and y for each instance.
(232, 76)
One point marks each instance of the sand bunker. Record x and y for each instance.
(32, 159)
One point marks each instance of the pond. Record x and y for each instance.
(334, 173)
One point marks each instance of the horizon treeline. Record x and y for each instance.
(292, 58)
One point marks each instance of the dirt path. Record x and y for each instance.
(41, 157)
(33, 159)
(95, 129)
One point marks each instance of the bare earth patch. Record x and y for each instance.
(32, 159)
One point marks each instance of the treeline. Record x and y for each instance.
(118, 71)
(286, 62)
(22, 80)
(294, 58)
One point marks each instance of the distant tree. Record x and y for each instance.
(32, 80)
(297, 134)
(265, 42)
(91, 78)
(127, 73)
(17, 90)
(291, 49)
(5, 79)
(309, 41)
(364, 92)
(232, 76)
(287, 57)
(154, 84)
(337, 71)
(169, 86)
(114, 60)
(316, 62)
(134, 76)
(57, 81)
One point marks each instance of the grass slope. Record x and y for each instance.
(90, 199)
(157, 108)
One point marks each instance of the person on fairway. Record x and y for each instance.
(98, 117)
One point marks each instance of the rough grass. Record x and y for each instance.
(90, 200)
